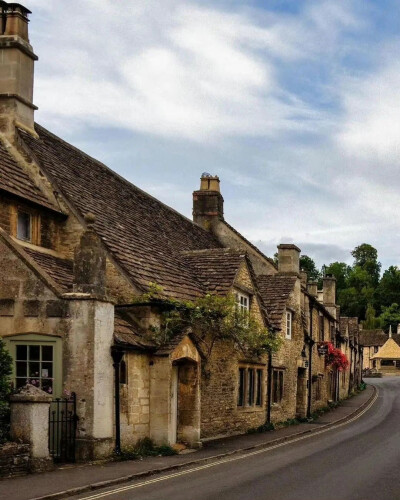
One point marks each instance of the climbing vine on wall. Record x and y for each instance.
(209, 318)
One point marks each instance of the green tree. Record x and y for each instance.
(390, 316)
(388, 291)
(366, 257)
(371, 321)
(5, 390)
(341, 271)
(308, 265)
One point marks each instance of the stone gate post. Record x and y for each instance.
(30, 424)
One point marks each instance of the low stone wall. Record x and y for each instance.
(14, 460)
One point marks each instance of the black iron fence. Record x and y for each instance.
(62, 428)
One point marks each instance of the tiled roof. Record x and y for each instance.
(354, 328)
(271, 261)
(145, 236)
(390, 350)
(127, 334)
(14, 179)
(61, 270)
(373, 337)
(215, 268)
(275, 291)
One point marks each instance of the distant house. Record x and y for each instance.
(372, 341)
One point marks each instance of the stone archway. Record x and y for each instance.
(186, 393)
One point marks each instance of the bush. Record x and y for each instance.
(146, 448)
(5, 390)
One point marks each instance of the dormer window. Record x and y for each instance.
(289, 321)
(24, 226)
(243, 303)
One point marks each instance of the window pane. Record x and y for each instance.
(22, 352)
(275, 386)
(280, 386)
(24, 226)
(47, 385)
(251, 387)
(241, 387)
(21, 369)
(47, 370)
(20, 382)
(34, 369)
(34, 352)
(47, 353)
(259, 387)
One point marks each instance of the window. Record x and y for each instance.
(321, 328)
(241, 387)
(289, 318)
(318, 387)
(34, 365)
(277, 386)
(243, 303)
(123, 377)
(250, 386)
(37, 359)
(24, 226)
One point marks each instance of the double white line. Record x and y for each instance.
(227, 460)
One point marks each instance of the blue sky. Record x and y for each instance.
(294, 104)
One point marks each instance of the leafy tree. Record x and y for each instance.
(366, 257)
(5, 390)
(390, 316)
(388, 291)
(341, 271)
(371, 321)
(307, 264)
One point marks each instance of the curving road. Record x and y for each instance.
(359, 460)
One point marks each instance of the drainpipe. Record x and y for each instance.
(269, 387)
(117, 355)
(310, 346)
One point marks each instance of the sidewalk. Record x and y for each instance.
(68, 480)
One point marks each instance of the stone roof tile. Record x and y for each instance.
(275, 291)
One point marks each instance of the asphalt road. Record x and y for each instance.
(359, 460)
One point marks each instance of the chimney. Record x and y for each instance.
(398, 328)
(312, 288)
(303, 278)
(329, 294)
(289, 259)
(90, 262)
(390, 331)
(208, 204)
(16, 71)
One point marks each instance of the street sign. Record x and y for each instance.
(322, 349)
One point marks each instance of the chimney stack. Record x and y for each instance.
(16, 71)
(208, 204)
(90, 262)
(289, 259)
(329, 294)
(312, 288)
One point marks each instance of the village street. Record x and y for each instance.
(358, 460)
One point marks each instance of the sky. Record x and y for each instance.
(295, 105)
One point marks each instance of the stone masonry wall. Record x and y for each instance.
(135, 399)
(14, 460)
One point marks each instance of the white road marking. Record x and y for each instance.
(230, 459)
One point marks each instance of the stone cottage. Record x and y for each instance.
(79, 249)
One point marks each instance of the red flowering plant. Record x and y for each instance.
(336, 358)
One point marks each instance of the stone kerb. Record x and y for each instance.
(30, 424)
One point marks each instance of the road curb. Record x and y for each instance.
(138, 475)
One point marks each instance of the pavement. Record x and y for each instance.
(77, 480)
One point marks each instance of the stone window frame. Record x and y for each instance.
(35, 224)
(13, 341)
(249, 376)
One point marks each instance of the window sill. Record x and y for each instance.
(250, 409)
